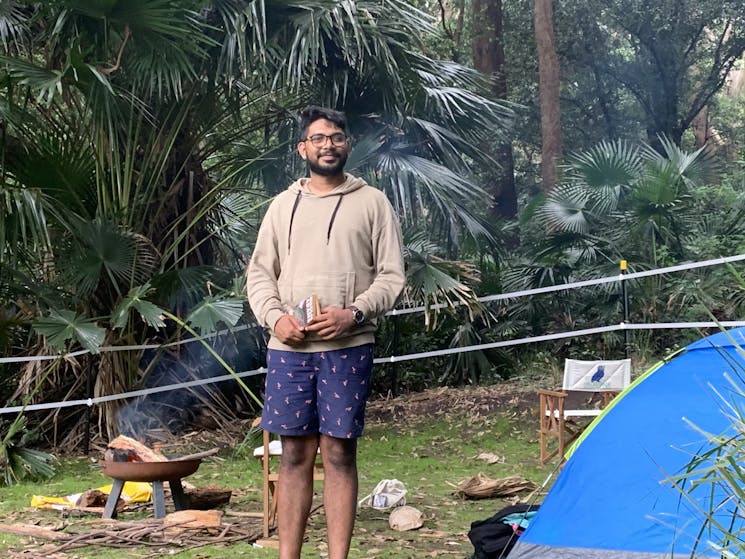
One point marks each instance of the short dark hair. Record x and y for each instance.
(313, 113)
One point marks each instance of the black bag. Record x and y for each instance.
(492, 538)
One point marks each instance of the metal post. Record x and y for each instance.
(89, 395)
(625, 295)
(394, 367)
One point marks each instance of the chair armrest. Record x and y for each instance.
(552, 393)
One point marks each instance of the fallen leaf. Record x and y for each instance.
(490, 458)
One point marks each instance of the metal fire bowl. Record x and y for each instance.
(150, 471)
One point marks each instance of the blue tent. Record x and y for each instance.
(613, 499)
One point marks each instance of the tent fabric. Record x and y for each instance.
(613, 498)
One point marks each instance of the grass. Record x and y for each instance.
(429, 454)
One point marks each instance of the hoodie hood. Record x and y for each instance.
(350, 184)
(299, 189)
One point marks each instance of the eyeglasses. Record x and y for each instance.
(319, 140)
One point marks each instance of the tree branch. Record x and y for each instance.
(117, 65)
(444, 25)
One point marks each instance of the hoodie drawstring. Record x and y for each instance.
(292, 218)
(333, 215)
(331, 220)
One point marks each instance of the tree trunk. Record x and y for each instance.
(548, 86)
(488, 57)
(736, 81)
(700, 127)
(458, 38)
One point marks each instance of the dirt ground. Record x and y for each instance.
(511, 397)
(506, 397)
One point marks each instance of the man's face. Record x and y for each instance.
(327, 159)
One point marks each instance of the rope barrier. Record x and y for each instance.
(126, 395)
(393, 358)
(389, 359)
(586, 283)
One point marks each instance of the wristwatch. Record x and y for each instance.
(357, 315)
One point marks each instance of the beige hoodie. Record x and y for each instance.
(344, 246)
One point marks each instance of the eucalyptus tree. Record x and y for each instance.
(140, 138)
(488, 51)
(683, 53)
(548, 87)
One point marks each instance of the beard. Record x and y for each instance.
(328, 170)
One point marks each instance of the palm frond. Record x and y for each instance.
(435, 280)
(18, 461)
(214, 311)
(23, 224)
(103, 253)
(135, 300)
(45, 83)
(565, 209)
(62, 326)
(178, 288)
(13, 26)
(607, 169)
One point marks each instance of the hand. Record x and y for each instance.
(288, 330)
(332, 323)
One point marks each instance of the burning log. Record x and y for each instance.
(126, 449)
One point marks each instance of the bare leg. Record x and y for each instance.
(339, 492)
(295, 492)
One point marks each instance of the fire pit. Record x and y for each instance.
(127, 465)
(174, 469)
(152, 472)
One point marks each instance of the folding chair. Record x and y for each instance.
(268, 455)
(606, 378)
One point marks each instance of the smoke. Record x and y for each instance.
(207, 406)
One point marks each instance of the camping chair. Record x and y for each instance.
(268, 455)
(606, 378)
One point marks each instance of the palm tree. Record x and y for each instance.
(139, 138)
(630, 197)
(624, 202)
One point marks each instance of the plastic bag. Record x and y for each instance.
(387, 494)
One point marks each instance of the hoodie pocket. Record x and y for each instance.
(333, 289)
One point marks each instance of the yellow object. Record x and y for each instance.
(132, 492)
(623, 265)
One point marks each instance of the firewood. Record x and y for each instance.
(205, 498)
(34, 532)
(92, 498)
(145, 454)
(196, 455)
(193, 519)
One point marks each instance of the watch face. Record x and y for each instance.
(359, 316)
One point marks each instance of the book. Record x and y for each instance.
(307, 311)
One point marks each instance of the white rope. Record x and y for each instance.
(394, 358)
(559, 336)
(390, 359)
(584, 283)
(410, 310)
(126, 395)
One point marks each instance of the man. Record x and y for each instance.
(334, 237)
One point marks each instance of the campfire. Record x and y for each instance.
(127, 449)
(127, 459)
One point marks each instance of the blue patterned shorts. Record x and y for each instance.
(324, 392)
